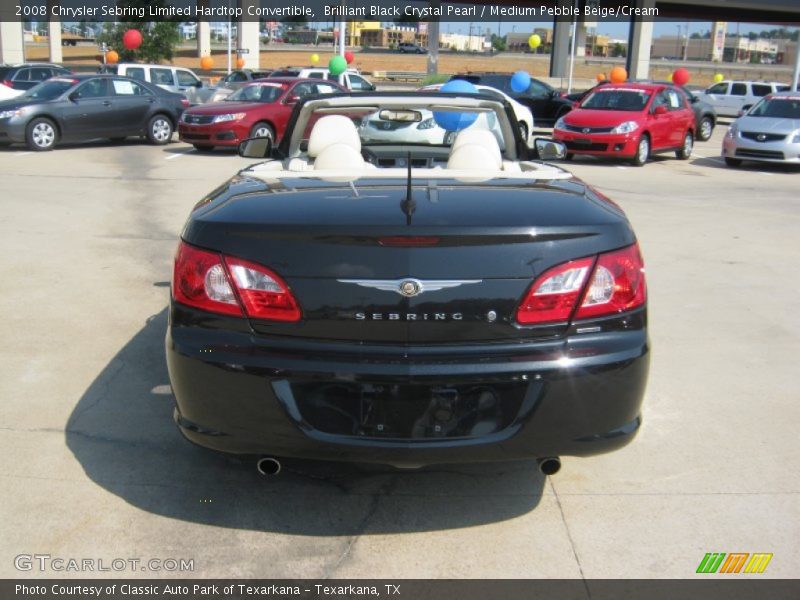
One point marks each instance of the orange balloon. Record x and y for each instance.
(240, 63)
(618, 75)
(112, 57)
(601, 77)
(206, 63)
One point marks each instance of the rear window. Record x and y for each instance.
(787, 107)
(285, 73)
(617, 99)
(738, 89)
(162, 76)
(135, 73)
(4, 71)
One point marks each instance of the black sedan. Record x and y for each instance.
(27, 75)
(545, 102)
(407, 303)
(705, 117)
(83, 107)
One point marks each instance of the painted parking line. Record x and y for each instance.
(22, 153)
(179, 154)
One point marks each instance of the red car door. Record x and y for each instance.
(681, 116)
(659, 122)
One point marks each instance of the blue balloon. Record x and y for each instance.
(520, 82)
(456, 121)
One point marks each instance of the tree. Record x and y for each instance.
(293, 23)
(618, 50)
(158, 40)
(499, 43)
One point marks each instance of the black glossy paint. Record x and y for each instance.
(260, 387)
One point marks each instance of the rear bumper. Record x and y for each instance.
(577, 396)
(620, 145)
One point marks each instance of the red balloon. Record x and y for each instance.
(132, 39)
(349, 57)
(680, 76)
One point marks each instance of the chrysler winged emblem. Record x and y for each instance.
(408, 286)
(586, 130)
(761, 137)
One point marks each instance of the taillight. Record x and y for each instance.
(230, 286)
(553, 295)
(611, 284)
(185, 102)
(263, 294)
(617, 284)
(8, 82)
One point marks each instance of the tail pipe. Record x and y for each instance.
(268, 466)
(550, 465)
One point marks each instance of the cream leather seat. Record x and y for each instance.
(479, 137)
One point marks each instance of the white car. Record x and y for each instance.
(9, 92)
(351, 79)
(522, 112)
(730, 97)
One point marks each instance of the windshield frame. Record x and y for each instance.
(771, 98)
(605, 89)
(279, 86)
(514, 146)
(28, 94)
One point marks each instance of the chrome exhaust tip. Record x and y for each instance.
(550, 465)
(268, 466)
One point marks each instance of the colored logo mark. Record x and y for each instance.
(734, 562)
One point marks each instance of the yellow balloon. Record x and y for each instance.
(718, 77)
(669, 78)
(314, 59)
(534, 41)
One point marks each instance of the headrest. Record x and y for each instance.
(469, 157)
(333, 129)
(479, 137)
(339, 157)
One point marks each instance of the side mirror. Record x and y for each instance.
(694, 99)
(741, 112)
(293, 99)
(547, 149)
(259, 147)
(373, 87)
(75, 96)
(660, 110)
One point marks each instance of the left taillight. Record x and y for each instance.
(609, 284)
(230, 286)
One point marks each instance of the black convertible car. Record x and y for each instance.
(407, 304)
(83, 107)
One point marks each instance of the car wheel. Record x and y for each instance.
(705, 129)
(201, 148)
(686, 150)
(523, 130)
(263, 130)
(733, 162)
(642, 151)
(41, 135)
(159, 130)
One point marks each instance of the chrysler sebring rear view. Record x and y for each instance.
(407, 303)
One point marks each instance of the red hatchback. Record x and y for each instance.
(259, 109)
(629, 120)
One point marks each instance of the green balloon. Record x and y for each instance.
(337, 65)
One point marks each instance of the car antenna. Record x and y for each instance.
(408, 205)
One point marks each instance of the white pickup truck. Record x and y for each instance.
(730, 97)
(351, 79)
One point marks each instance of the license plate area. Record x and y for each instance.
(408, 411)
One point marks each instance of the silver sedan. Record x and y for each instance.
(768, 132)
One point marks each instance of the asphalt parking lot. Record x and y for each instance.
(94, 468)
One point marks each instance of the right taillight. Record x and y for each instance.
(611, 284)
(231, 286)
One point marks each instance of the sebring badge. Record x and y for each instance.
(410, 287)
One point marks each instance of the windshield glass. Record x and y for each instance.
(787, 107)
(265, 93)
(50, 89)
(617, 99)
(375, 126)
